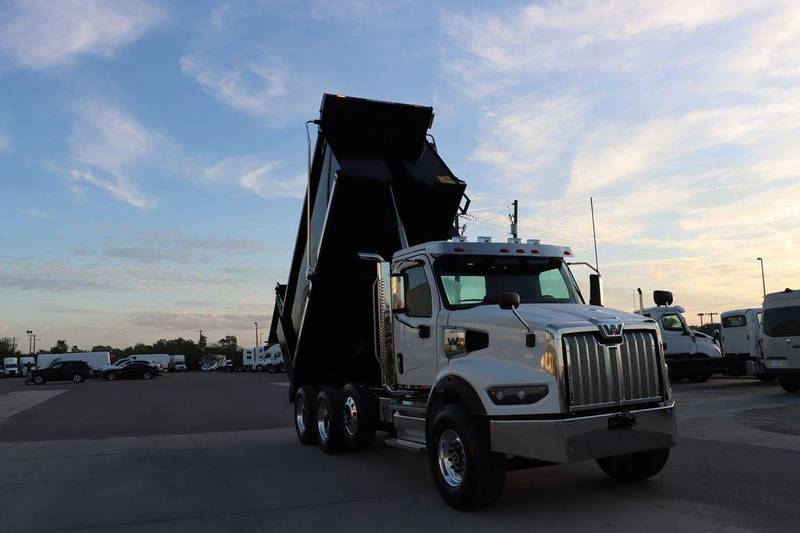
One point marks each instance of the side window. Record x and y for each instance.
(418, 292)
(671, 323)
(734, 321)
(551, 283)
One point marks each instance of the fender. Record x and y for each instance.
(454, 389)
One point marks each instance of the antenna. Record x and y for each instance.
(594, 235)
(514, 218)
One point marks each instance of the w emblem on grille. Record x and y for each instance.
(610, 330)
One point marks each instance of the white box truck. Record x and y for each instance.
(690, 354)
(741, 336)
(177, 362)
(96, 360)
(483, 354)
(10, 368)
(781, 341)
(27, 364)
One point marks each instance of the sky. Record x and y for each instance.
(153, 153)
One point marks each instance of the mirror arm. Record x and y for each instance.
(407, 324)
(527, 327)
(584, 263)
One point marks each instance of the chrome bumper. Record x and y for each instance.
(588, 437)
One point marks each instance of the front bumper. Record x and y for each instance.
(588, 437)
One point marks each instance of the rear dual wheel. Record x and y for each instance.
(336, 420)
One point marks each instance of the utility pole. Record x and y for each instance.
(701, 315)
(712, 317)
(13, 345)
(255, 348)
(594, 235)
(514, 218)
(200, 340)
(763, 281)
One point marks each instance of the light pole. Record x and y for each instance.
(30, 337)
(763, 282)
(701, 315)
(256, 345)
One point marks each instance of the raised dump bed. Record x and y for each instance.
(376, 185)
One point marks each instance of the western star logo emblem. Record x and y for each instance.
(611, 329)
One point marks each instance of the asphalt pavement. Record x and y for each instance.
(165, 467)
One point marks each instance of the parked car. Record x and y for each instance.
(75, 371)
(133, 369)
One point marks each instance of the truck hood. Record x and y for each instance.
(541, 316)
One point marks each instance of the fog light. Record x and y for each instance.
(517, 394)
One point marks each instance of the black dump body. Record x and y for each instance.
(369, 157)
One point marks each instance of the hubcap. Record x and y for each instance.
(452, 458)
(350, 416)
(323, 422)
(76, 378)
(300, 414)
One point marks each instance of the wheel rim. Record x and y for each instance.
(452, 458)
(37, 380)
(76, 378)
(350, 416)
(146, 375)
(300, 414)
(112, 377)
(323, 422)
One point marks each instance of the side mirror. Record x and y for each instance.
(595, 289)
(662, 297)
(508, 300)
(398, 289)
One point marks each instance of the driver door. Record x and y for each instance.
(415, 329)
(676, 335)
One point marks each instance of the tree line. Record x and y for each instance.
(194, 351)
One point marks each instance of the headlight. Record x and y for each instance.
(548, 363)
(517, 394)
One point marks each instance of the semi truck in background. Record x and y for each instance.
(212, 362)
(741, 338)
(690, 354)
(96, 360)
(483, 354)
(781, 338)
(273, 359)
(10, 368)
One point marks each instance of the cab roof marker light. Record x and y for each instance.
(504, 250)
(520, 251)
(483, 238)
(534, 241)
(458, 249)
(535, 251)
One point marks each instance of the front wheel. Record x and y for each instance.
(39, 380)
(636, 466)
(112, 376)
(77, 378)
(790, 384)
(467, 473)
(283, 367)
(146, 376)
(259, 368)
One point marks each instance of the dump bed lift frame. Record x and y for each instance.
(376, 184)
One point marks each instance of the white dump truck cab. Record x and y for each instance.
(484, 355)
(690, 354)
(781, 340)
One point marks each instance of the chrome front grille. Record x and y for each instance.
(604, 375)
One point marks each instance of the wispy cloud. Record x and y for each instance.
(190, 321)
(261, 85)
(42, 34)
(259, 175)
(35, 213)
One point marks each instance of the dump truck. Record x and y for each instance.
(484, 355)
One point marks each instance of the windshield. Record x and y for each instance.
(782, 321)
(468, 281)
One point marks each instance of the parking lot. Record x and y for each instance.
(216, 452)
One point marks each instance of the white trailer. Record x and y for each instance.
(27, 364)
(781, 340)
(177, 362)
(10, 368)
(741, 336)
(161, 359)
(96, 360)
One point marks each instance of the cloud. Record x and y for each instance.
(42, 34)
(263, 85)
(35, 213)
(188, 320)
(259, 175)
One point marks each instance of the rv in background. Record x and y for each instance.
(690, 354)
(781, 341)
(253, 359)
(212, 362)
(10, 368)
(740, 331)
(96, 360)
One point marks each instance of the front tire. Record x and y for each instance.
(467, 473)
(359, 416)
(304, 419)
(790, 384)
(77, 378)
(146, 376)
(39, 380)
(634, 467)
(328, 411)
(112, 376)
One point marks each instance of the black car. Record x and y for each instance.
(136, 369)
(75, 371)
